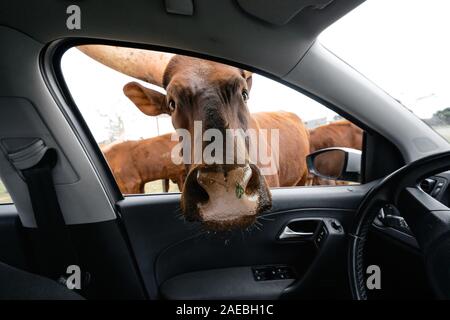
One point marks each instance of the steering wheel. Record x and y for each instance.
(428, 219)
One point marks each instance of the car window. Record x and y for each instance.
(4, 194)
(403, 46)
(133, 119)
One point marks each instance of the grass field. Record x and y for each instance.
(4, 195)
(156, 187)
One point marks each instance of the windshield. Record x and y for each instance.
(404, 47)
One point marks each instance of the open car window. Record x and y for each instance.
(133, 114)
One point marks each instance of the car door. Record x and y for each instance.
(181, 260)
(296, 249)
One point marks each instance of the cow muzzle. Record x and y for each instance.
(231, 196)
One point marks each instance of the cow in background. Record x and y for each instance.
(341, 133)
(134, 163)
(293, 148)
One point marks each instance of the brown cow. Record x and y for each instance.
(135, 163)
(293, 148)
(341, 133)
(221, 194)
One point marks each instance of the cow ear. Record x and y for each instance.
(149, 101)
(248, 78)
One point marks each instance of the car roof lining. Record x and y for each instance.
(216, 28)
(277, 12)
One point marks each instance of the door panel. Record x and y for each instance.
(171, 252)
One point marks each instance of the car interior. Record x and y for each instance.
(313, 243)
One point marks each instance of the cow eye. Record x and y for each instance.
(171, 105)
(245, 95)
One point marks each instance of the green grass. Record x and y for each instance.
(156, 187)
(4, 195)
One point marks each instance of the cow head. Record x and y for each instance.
(223, 195)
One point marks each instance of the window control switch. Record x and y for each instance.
(266, 273)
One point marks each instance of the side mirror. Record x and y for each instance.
(336, 164)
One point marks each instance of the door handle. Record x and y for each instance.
(288, 233)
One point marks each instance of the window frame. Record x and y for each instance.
(50, 62)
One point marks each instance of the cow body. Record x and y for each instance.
(134, 163)
(293, 146)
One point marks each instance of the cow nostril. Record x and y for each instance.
(198, 190)
(246, 176)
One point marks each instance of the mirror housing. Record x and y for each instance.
(336, 164)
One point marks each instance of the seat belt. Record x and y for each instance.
(55, 249)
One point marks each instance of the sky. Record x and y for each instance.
(401, 45)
